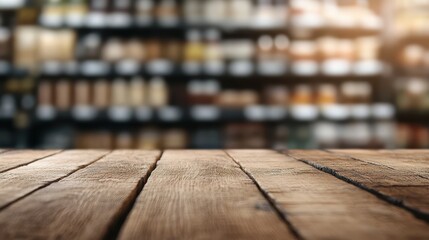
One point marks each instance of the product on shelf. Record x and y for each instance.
(8, 106)
(334, 14)
(276, 96)
(5, 45)
(414, 56)
(410, 17)
(412, 136)
(64, 95)
(147, 138)
(25, 47)
(97, 13)
(413, 95)
(53, 13)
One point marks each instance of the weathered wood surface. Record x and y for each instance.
(13, 159)
(86, 205)
(319, 206)
(410, 161)
(232, 194)
(19, 182)
(386, 178)
(202, 195)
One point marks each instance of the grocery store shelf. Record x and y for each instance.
(172, 114)
(237, 69)
(160, 29)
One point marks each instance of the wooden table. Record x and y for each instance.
(233, 194)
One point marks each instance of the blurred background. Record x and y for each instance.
(214, 74)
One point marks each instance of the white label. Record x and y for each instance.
(205, 113)
(304, 112)
(305, 68)
(128, 67)
(170, 114)
(214, 67)
(120, 114)
(45, 113)
(144, 113)
(96, 20)
(4, 67)
(160, 67)
(255, 113)
(84, 113)
(192, 68)
(272, 67)
(335, 112)
(94, 68)
(368, 67)
(52, 20)
(52, 68)
(336, 67)
(276, 113)
(383, 111)
(360, 111)
(71, 68)
(75, 19)
(241, 68)
(119, 20)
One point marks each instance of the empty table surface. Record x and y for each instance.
(214, 194)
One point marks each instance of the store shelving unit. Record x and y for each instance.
(187, 116)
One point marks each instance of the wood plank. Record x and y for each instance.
(395, 185)
(86, 205)
(202, 195)
(320, 206)
(13, 159)
(19, 182)
(416, 162)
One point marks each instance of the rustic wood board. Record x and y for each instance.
(320, 206)
(202, 195)
(19, 182)
(402, 187)
(13, 159)
(86, 205)
(416, 163)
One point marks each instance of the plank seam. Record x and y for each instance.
(376, 164)
(28, 163)
(391, 200)
(51, 182)
(281, 214)
(359, 160)
(116, 225)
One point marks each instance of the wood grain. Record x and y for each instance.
(13, 159)
(320, 206)
(393, 184)
(22, 181)
(85, 205)
(202, 195)
(416, 163)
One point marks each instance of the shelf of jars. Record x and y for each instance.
(272, 68)
(235, 135)
(172, 114)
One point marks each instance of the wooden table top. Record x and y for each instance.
(232, 194)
